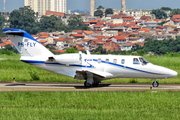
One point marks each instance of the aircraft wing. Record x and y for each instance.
(82, 74)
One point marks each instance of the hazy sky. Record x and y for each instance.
(116, 4)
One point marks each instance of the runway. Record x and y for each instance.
(5, 87)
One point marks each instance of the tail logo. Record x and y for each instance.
(27, 44)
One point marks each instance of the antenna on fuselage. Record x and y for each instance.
(88, 53)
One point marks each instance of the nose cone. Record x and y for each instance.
(172, 73)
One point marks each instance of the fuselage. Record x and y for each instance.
(112, 66)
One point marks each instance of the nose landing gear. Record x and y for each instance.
(155, 83)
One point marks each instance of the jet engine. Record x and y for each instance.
(69, 58)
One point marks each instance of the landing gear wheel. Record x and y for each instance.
(155, 84)
(86, 84)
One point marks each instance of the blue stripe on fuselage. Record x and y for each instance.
(95, 60)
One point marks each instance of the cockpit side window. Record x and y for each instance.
(143, 60)
(135, 61)
(122, 61)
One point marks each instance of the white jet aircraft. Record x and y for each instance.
(92, 68)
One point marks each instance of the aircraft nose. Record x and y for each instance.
(172, 73)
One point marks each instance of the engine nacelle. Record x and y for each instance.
(68, 58)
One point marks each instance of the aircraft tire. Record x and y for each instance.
(155, 84)
(87, 84)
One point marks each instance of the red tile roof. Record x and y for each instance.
(61, 39)
(134, 27)
(87, 23)
(97, 31)
(49, 13)
(145, 30)
(93, 21)
(97, 40)
(134, 38)
(101, 37)
(33, 35)
(176, 16)
(78, 31)
(42, 41)
(7, 42)
(97, 25)
(3, 44)
(59, 51)
(88, 32)
(119, 38)
(44, 34)
(145, 17)
(77, 35)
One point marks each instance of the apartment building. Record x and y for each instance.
(41, 6)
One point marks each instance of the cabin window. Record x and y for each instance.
(122, 61)
(99, 60)
(107, 61)
(135, 61)
(115, 61)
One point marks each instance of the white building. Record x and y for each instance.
(41, 6)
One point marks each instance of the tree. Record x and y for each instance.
(14, 18)
(10, 48)
(100, 50)
(71, 50)
(76, 23)
(98, 13)
(27, 10)
(24, 19)
(2, 20)
(166, 8)
(108, 11)
(50, 24)
(132, 35)
(100, 7)
(159, 14)
(174, 12)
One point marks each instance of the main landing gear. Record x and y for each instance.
(155, 83)
(90, 81)
(87, 84)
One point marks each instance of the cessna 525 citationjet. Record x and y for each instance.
(80, 66)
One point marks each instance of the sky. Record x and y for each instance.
(115, 4)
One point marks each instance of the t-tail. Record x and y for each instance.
(26, 44)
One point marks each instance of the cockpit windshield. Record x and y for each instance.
(143, 60)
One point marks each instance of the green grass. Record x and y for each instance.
(12, 67)
(89, 105)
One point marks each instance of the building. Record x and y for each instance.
(41, 6)
(92, 7)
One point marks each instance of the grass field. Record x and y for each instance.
(11, 68)
(90, 105)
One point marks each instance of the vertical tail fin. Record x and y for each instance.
(26, 44)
